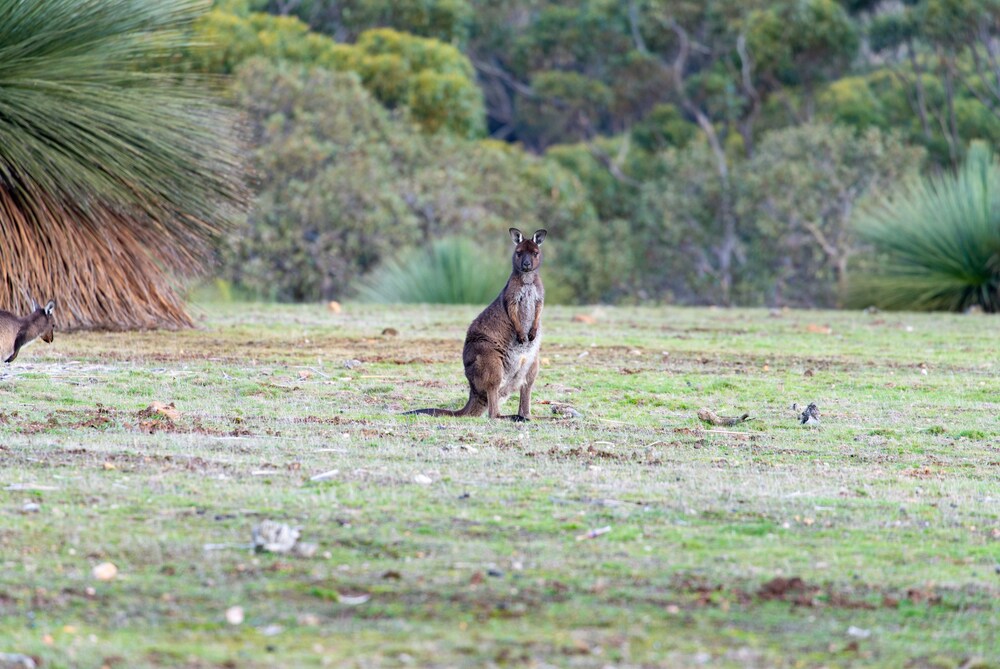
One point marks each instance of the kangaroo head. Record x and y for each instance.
(44, 316)
(527, 252)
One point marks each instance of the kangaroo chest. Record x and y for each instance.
(526, 298)
(520, 357)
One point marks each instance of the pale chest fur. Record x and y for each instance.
(527, 299)
(520, 357)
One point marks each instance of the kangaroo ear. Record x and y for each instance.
(539, 236)
(50, 307)
(516, 235)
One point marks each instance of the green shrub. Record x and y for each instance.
(941, 239)
(449, 271)
(433, 80)
(344, 184)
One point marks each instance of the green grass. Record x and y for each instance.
(889, 512)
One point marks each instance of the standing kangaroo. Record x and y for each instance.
(16, 333)
(501, 346)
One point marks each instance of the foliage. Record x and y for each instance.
(791, 208)
(803, 186)
(114, 174)
(569, 106)
(321, 142)
(449, 271)
(664, 126)
(224, 39)
(444, 20)
(941, 240)
(431, 79)
(884, 99)
(319, 225)
(619, 95)
(434, 80)
(679, 241)
(802, 41)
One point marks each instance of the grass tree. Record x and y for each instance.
(115, 174)
(941, 241)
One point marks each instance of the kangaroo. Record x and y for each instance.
(16, 333)
(501, 346)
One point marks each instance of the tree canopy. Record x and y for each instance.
(670, 121)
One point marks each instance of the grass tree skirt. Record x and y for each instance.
(103, 273)
(116, 175)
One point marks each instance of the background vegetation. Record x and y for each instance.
(715, 152)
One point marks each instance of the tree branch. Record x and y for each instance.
(633, 21)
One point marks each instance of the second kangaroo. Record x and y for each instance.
(501, 346)
(16, 333)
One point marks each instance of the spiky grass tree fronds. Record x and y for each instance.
(941, 240)
(450, 271)
(116, 175)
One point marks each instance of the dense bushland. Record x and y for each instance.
(711, 152)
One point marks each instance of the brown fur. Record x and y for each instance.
(502, 343)
(16, 333)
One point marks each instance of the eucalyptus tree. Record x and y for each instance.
(116, 175)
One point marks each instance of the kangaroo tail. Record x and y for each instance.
(472, 408)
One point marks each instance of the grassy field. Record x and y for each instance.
(633, 536)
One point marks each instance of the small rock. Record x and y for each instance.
(106, 571)
(31, 507)
(274, 537)
(423, 479)
(234, 615)
(858, 633)
(304, 549)
(308, 620)
(16, 661)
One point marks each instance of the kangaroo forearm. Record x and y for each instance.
(538, 317)
(515, 318)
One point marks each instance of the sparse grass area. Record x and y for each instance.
(872, 540)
